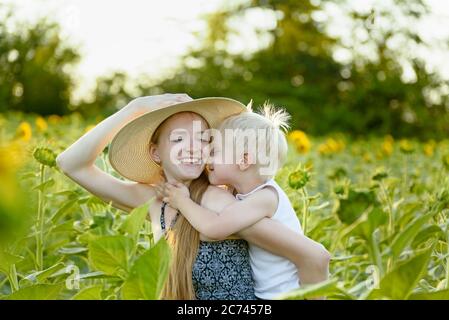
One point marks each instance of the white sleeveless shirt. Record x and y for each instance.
(274, 275)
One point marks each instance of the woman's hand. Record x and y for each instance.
(174, 193)
(145, 104)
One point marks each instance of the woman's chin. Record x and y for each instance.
(190, 173)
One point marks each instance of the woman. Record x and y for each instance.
(145, 132)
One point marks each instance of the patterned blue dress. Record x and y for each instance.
(221, 270)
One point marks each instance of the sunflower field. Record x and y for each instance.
(379, 205)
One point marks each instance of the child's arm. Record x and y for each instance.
(310, 257)
(233, 218)
(78, 160)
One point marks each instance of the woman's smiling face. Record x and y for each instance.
(180, 146)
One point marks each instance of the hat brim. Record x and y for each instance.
(129, 150)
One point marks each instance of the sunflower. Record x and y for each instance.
(405, 146)
(300, 140)
(54, 119)
(331, 146)
(11, 158)
(387, 145)
(429, 148)
(41, 124)
(24, 131)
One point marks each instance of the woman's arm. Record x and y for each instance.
(77, 161)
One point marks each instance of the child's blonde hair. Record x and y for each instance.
(272, 122)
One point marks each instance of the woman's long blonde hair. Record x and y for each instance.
(184, 241)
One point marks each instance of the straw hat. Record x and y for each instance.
(129, 151)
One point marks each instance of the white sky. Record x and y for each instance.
(134, 36)
(148, 36)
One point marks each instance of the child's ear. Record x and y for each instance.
(245, 162)
(154, 154)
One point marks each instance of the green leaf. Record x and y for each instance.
(98, 275)
(72, 250)
(436, 295)
(134, 221)
(95, 204)
(90, 293)
(322, 289)
(374, 219)
(406, 236)
(44, 185)
(87, 237)
(83, 199)
(148, 273)
(102, 224)
(44, 274)
(110, 254)
(68, 193)
(7, 260)
(64, 227)
(432, 231)
(37, 292)
(399, 283)
(62, 210)
(352, 207)
(28, 175)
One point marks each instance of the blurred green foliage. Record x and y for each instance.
(297, 68)
(297, 71)
(34, 66)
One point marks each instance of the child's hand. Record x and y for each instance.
(160, 190)
(174, 193)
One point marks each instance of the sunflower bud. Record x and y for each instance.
(299, 178)
(45, 156)
(380, 174)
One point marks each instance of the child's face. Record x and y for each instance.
(223, 169)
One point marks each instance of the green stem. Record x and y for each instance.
(12, 276)
(390, 222)
(304, 209)
(149, 234)
(376, 254)
(447, 258)
(346, 272)
(390, 209)
(404, 188)
(40, 223)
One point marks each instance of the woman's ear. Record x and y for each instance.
(154, 154)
